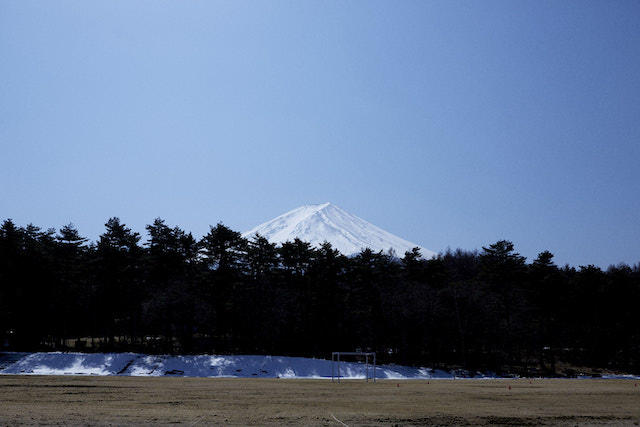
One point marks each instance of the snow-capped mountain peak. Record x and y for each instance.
(327, 222)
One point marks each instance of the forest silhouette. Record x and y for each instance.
(477, 310)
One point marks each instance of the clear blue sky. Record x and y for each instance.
(448, 123)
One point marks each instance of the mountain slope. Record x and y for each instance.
(327, 222)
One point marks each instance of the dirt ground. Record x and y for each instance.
(51, 400)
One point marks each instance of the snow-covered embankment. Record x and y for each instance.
(133, 364)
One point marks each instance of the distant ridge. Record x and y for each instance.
(327, 222)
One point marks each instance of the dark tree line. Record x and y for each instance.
(486, 310)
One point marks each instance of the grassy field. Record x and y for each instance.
(50, 400)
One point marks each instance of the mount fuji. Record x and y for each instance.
(346, 232)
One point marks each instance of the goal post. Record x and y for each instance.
(335, 359)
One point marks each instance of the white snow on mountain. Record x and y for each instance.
(327, 222)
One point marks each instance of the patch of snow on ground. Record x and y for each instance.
(246, 366)
(69, 364)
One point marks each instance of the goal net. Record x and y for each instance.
(335, 363)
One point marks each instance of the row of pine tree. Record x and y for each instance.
(479, 310)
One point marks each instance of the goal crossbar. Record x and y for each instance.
(335, 358)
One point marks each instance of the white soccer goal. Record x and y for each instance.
(335, 357)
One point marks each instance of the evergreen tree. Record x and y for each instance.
(117, 299)
(544, 297)
(224, 249)
(464, 324)
(502, 270)
(264, 295)
(70, 291)
(262, 257)
(297, 256)
(224, 253)
(171, 296)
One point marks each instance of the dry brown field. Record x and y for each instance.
(92, 400)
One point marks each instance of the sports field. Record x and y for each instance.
(112, 400)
